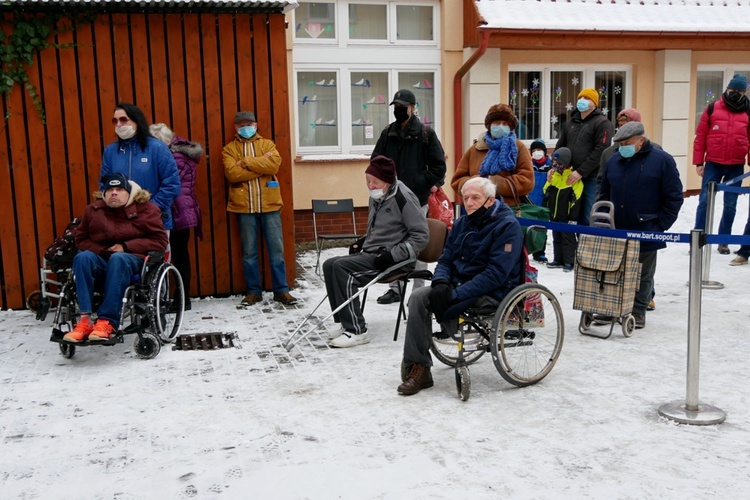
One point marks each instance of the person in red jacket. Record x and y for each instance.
(114, 237)
(720, 150)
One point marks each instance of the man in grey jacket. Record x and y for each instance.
(396, 232)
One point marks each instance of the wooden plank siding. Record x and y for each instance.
(192, 71)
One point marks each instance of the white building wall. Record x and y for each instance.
(673, 93)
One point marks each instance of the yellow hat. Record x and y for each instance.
(590, 94)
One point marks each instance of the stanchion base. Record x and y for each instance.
(710, 285)
(705, 415)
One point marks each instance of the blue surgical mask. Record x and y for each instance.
(582, 105)
(627, 151)
(498, 131)
(247, 131)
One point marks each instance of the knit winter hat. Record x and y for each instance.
(538, 144)
(115, 180)
(738, 82)
(501, 112)
(632, 114)
(562, 156)
(383, 168)
(590, 93)
(244, 116)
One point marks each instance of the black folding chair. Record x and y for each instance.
(331, 207)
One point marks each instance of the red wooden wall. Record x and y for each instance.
(190, 71)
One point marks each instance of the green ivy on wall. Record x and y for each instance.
(23, 35)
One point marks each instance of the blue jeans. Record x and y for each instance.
(587, 199)
(91, 272)
(270, 224)
(716, 172)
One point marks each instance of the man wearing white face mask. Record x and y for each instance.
(396, 231)
(587, 134)
(142, 158)
(644, 185)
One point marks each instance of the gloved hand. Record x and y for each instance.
(441, 295)
(384, 260)
(357, 246)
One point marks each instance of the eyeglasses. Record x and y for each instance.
(122, 120)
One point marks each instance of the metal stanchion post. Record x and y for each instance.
(710, 202)
(691, 411)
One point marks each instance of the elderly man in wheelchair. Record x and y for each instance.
(481, 303)
(117, 237)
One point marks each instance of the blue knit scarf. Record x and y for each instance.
(502, 155)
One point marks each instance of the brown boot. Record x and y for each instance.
(419, 378)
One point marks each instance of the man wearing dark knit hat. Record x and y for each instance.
(720, 152)
(396, 232)
(587, 134)
(419, 158)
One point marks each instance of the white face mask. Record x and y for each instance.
(538, 154)
(376, 194)
(125, 132)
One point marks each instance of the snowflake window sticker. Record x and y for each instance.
(553, 120)
(569, 107)
(525, 92)
(618, 90)
(574, 81)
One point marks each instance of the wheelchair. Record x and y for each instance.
(152, 308)
(524, 335)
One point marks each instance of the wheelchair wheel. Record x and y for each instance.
(445, 349)
(67, 350)
(527, 334)
(167, 298)
(147, 345)
(463, 383)
(33, 301)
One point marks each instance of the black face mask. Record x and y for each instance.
(735, 101)
(478, 213)
(400, 114)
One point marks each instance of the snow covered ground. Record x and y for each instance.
(256, 422)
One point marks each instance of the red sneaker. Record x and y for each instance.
(103, 330)
(81, 331)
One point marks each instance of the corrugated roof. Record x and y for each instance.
(674, 16)
(266, 6)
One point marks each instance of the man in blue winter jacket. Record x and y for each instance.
(143, 159)
(644, 186)
(480, 264)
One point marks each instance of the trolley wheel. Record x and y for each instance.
(628, 325)
(527, 334)
(463, 382)
(67, 350)
(445, 349)
(585, 323)
(167, 299)
(146, 345)
(33, 301)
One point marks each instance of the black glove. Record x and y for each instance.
(357, 246)
(441, 295)
(384, 260)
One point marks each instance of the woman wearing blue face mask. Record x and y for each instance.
(499, 155)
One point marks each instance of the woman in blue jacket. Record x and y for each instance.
(143, 159)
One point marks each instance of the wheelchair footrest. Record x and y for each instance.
(57, 336)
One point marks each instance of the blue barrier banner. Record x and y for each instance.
(736, 180)
(711, 239)
(733, 189)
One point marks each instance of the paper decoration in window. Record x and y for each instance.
(569, 106)
(558, 94)
(306, 99)
(362, 83)
(424, 84)
(320, 123)
(602, 94)
(574, 81)
(553, 119)
(710, 97)
(513, 97)
(618, 90)
(323, 83)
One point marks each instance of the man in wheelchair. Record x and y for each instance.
(115, 234)
(480, 264)
(396, 232)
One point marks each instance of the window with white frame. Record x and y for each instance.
(544, 98)
(345, 77)
(712, 81)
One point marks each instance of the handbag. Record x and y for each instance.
(440, 207)
(534, 241)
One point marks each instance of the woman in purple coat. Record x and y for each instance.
(185, 209)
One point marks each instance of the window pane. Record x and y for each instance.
(413, 23)
(421, 84)
(369, 107)
(315, 20)
(318, 108)
(611, 88)
(525, 100)
(564, 88)
(709, 88)
(368, 22)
